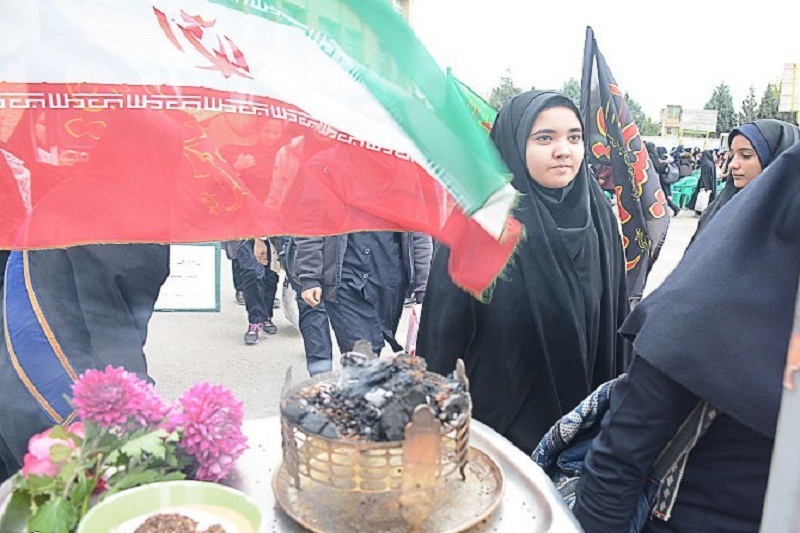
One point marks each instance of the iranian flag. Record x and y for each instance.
(117, 122)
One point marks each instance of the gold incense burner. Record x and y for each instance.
(430, 481)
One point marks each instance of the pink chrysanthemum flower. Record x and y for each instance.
(211, 419)
(114, 397)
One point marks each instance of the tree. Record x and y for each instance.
(650, 127)
(572, 89)
(504, 91)
(722, 101)
(768, 108)
(770, 103)
(749, 107)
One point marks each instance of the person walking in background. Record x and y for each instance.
(259, 285)
(313, 322)
(707, 181)
(662, 168)
(548, 335)
(685, 164)
(257, 282)
(363, 278)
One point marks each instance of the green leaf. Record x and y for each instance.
(113, 458)
(17, 512)
(55, 516)
(60, 453)
(129, 480)
(150, 443)
(68, 470)
(59, 432)
(80, 491)
(41, 484)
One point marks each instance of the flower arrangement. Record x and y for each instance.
(127, 436)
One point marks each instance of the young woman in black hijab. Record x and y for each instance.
(548, 337)
(754, 146)
(748, 261)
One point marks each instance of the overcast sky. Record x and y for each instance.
(675, 57)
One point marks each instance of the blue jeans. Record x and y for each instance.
(251, 279)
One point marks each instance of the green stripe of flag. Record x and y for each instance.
(379, 50)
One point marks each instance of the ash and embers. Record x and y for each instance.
(374, 399)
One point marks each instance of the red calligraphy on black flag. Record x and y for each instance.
(613, 141)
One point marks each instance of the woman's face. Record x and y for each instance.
(745, 165)
(554, 151)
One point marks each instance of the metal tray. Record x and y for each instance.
(464, 503)
(529, 501)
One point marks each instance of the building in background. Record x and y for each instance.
(671, 121)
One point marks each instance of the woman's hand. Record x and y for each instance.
(260, 251)
(312, 296)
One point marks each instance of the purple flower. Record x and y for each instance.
(211, 419)
(115, 397)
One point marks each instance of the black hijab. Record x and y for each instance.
(769, 137)
(549, 335)
(708, 172)
(743, 273)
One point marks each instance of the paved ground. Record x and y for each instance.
(184, 348)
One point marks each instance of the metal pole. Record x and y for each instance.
(782, 502)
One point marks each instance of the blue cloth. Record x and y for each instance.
(562, 450)
(758, 141)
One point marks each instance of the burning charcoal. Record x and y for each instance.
(374, 399)
(393, 422)
(454, 407)
(295, 412)
(377, 397)
(330, 432)
(314, 422)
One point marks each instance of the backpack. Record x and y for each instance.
(671, 174)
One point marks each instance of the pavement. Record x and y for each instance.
(184, 348)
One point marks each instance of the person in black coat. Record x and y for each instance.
(708, 179)
(748, 263)
(661, 167)
(548, 335)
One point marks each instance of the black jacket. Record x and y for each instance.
(318, 263)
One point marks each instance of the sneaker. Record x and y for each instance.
(240, 297)
(251, 337)
(269, 327)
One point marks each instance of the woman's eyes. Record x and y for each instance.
(575, 137)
